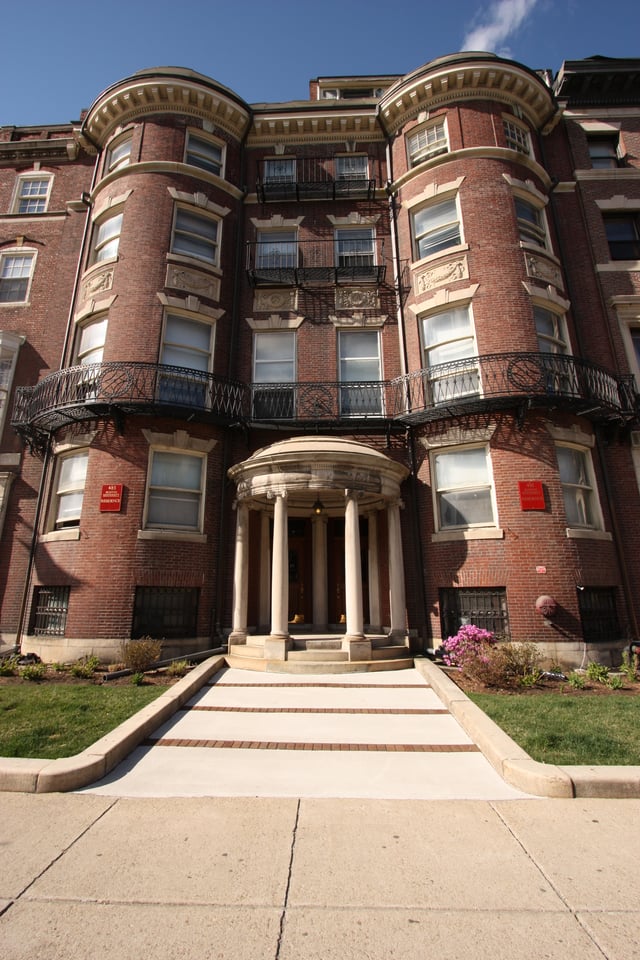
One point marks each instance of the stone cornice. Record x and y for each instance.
(453, 80)
(140, 96)
(476, 153)
(309, 124)
(54, 150)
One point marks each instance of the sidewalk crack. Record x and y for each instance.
(289, 873)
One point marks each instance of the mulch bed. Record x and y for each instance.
(545, 686)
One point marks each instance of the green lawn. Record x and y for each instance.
(54, 721)
(567, 730)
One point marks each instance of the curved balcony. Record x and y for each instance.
(518, 381)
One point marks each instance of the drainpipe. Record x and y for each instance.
(47, 459)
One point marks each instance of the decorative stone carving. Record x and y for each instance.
(180, 278)
(543, 269)
(435, 276)
(356, 298)
(97, 283)
(267, 301)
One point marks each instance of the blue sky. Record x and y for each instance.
(57, 57)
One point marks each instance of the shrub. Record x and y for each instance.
(140, 655)
(597, 672)
(137, 679)
(577, 680)
(178, 668)
(34, 672)
(628, 666)
(506, 664)
(9, 666)
(616, 682)
(85, 667)
(469, 644)
(58, 667)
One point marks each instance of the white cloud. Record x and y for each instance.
(499, 22)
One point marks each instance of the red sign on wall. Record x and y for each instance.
(531, 495)
(111, 498)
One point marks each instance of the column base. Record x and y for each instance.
(237, 637)
(358, 647)
(276, 647)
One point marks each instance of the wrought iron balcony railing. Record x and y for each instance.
(315, 178)
(475, 384)
(308, 262)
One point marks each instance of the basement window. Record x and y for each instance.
(49, 611)
(167, 613)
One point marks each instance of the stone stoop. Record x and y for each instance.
(317, 654)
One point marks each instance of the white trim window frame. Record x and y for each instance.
(204, 153)
(517, 136)
(175, 490)
(106, 237)
(69, 486)
(276, 249)
(33, 191)
(436, 228)
(352, 166)
(532, 225)
(463, 489)
(449, 342)
(187, 344)
(355, 247)
(196, 236)
(279, 170)
(274, 366)
(427, 142)
(119, 153)
(579, 491)
(90, 340)
(16, 275)
(359, 362)
(10, 344)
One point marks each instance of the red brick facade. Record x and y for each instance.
(445, 268)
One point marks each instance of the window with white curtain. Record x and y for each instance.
(436, 228)
(359, 365)
(463, 488)
(188, 344)
(90, 341)
(106, 238)
(578, 487)
(274, 366)
(449, 344)
(195, 236)
(175, 491)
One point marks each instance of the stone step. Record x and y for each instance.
(389, 653)
(324, 643)
(318, 654)
(311, 667)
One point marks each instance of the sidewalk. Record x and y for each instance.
(86, 877)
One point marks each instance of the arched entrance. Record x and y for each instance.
(322, 504)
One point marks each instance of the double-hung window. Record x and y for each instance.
(188, 345)
(195, 236)
(352, 167)
(204, 153)
(578, 486)
(279, 170)
(604, 152)
(450, 355)
(516, 137)
(89, 350)
(359, 367)
(463, 489)
(10, 344)
(16, 270)
(436, 228)
(355, 247)
(119, 154)
(427, 142)
(32, 195)
(623, 235)
(531, 224)
(274, 367)
(560, 375)
(276, 249)
(71, 475)
(106, 238)
(175, 491)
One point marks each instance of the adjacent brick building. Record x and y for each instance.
(364, 365)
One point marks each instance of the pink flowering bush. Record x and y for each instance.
(468, 645)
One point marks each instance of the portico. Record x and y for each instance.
(326, 507)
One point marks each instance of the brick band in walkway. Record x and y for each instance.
(268, 745)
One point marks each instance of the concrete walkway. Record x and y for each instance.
(380, 735)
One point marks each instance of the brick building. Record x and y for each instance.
(364, 366)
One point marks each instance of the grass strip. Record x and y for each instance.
(60, 721)
(569, 729)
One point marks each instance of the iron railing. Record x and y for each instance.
(525, 380)
(302, 263)
(314, 178)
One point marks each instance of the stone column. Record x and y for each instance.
(397, 601)
(265, 571)
(240, 575)
(355, 642)
(375, 617)
(277, 643)
(320, 598)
